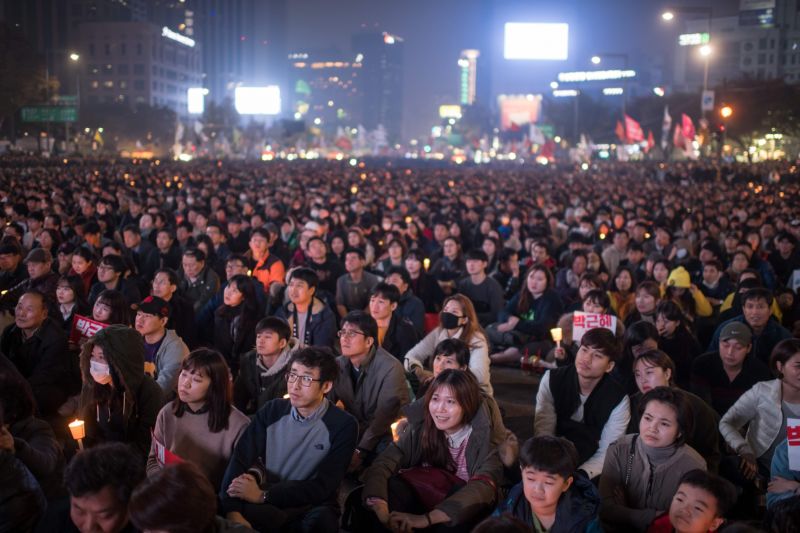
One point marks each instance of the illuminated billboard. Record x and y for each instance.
(536, 40)
(195, 100)
(450, 111)
(257, 100)
(518, 110)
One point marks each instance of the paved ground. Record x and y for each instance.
(515, 392)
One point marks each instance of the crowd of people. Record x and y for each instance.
(231, 346)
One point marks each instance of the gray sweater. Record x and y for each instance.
(654, 478)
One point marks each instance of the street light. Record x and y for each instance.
(596, 60)
(705, 52)
(726, 111)
(74, 56)
(668, 16)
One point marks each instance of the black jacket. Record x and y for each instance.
(21, 499)
(36, 446)
(400, 337)
(43, 361)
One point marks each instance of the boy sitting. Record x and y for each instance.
(699, 505)
(553, 496)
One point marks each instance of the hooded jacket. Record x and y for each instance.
(136, 399)
(320, 330)
(168, 361)
(255, 385)
(577, 510)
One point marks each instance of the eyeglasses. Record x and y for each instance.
(306, 381)
(349, 333)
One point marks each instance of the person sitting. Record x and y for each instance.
(261, 370)
(396, 335)
(700, 504)
(234, 266)
(757, 314)
(201, 425)
(454, 354)
(312, 322)
(553, 496)
(36, 345)
(582, 403)
(528, 317)
(111, 272)
(169, 253)
(287, 467)
(12, 268)
(784, 482)
(144, 254)
(677, 340)
(456, 320)
(653, 368)
(485, 293)
(120, 402)
(71, 301)
(163, 349)
(409, 306)
(181, 311)
(371, 385)
(100, 481)
(24, 436)
(198, 282)
(266, 267)
(235, 320)
(507, 272)
(84, 264)
(721, 377)
(354, 287)
(764, 409)
(111, 308)
(620, 292)
(642, 471)
(179, 498)
(41, 278)
(648, 295)
(451, 443)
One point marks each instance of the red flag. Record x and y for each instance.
(549, 149)
(344, 143)
(633, 131)
(650, 141)
(678, 141)
(514, 126)
(687, 127)
(620, 131)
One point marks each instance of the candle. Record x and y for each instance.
(78, 431)
(556, 334)
(426, 263)
(286, 396)
(395, 436)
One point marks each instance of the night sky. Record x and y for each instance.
(435, 31)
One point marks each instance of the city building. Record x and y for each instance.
(381, 81)
(325, 89)
(468, 76)
(137, 63)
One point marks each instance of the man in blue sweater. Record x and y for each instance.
(288, 464)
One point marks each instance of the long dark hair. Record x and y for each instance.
(75, 283)
(525, 296)
(467, 392)
(120, 313)
(249, 310)
(220, 393)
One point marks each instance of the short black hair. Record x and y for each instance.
(757, 293)
(112, 464)
(598, 296)
(676, 399)
(722, 489)
(476, 254)
(551, 454)
(784, 515)
(133, 228)
(364, 322)
(273, 323)
(320, 357)
(400, 271)
(198, 254)
(172, 276)
(116, 262)
(386, 290)
(604, 341)
(305, 274)
(355, 250)
(237, 257)
(455, 347)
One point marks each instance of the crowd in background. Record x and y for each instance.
(309, 346)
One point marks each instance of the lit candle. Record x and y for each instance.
(426, 263)
(78, 431)
(395, 436)
(557, 335)
(286, 396)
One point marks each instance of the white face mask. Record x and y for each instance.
(100, 372)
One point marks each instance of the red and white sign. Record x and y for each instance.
(84, 328)
(583, 322)
(793, 442)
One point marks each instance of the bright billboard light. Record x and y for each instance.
(195, 100)
(257, 100)
(536, 40)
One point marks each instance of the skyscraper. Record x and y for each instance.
(468, 66)
(381, 81)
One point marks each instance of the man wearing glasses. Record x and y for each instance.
(371, 385)
(288, 464)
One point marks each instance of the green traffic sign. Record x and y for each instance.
(49, 114)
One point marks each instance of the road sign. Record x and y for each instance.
(49, 114)
(707, 102)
